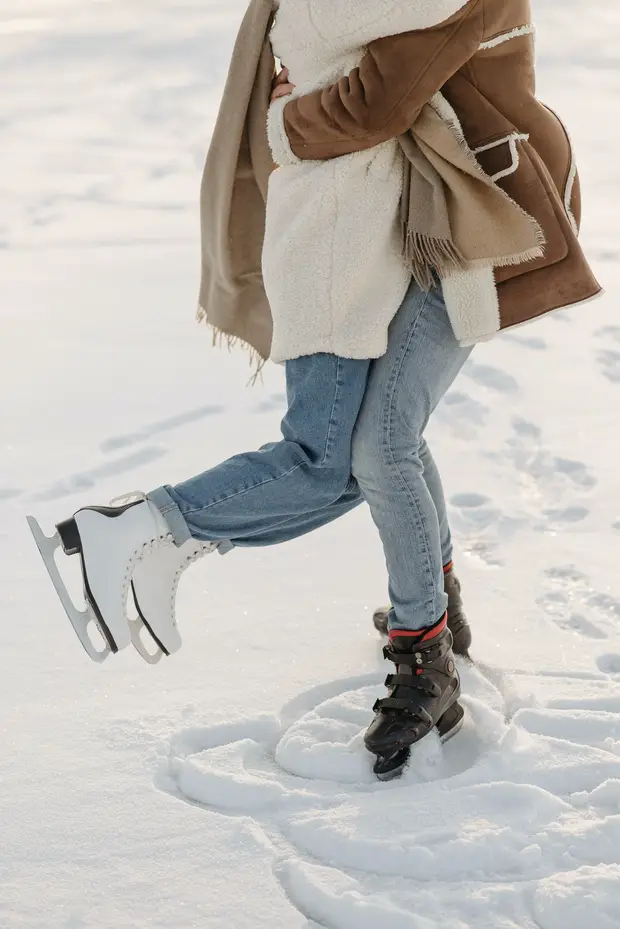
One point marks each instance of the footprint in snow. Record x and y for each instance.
(609, 363)
(273, 402)
(493, 378)
(609, 663)
(87, 480)
(575, 605)
(481, 527)
(463, 415)
(548, 483)
(169, 424)
(609, 334)
(608, 356)
(531, 342)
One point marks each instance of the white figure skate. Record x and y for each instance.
(154, 587)
(112, 543)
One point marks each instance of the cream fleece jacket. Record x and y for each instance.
(332, 258)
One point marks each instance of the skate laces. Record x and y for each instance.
(134, 496)
(149, 545)
(199, 551)
(138, 496)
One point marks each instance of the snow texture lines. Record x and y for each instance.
(347, 857)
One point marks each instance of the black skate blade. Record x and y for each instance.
(451, 722)
(389, 767)
(162, 648)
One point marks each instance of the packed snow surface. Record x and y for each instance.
(229, 786)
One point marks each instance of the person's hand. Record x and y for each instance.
(281, 86)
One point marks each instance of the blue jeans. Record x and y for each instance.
(353, 432)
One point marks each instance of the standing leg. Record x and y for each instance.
(404, 387)
(432, 479)
(457, 620)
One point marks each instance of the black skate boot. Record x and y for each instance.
(424, 694)
(457, 621)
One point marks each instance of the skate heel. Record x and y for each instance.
(69, 536)
(451, 721)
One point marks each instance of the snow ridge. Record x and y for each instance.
(504, 825)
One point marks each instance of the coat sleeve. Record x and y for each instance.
(381, 98)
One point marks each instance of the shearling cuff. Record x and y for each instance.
(276, 131)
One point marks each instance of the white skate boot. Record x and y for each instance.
(111, 542)
(154, 586)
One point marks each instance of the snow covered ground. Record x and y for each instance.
(228, 786)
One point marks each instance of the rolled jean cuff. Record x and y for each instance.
(171, 513)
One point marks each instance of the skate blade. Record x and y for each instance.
(451, 723)
(139, 630)
(389, 767)
(136, 629)
(79, 619)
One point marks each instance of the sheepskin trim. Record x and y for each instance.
(361, 21)
(556, 309)
(570, 186)
(510, 140)
(472, 303)
(426, 13)
(276, 132)
(448, 114)
(530, 29)
(572, 175)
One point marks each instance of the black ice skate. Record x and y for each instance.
(424, 695)
(457, 620)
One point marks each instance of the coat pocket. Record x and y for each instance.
(516, 167)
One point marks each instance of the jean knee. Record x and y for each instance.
(367, 461)
(374, 459)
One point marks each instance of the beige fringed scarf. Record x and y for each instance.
(455, 217)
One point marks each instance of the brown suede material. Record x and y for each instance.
(492, 90)
(554, 285)
(382, 98)
(535, 191)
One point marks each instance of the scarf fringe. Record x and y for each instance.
(426, 255)
(530, 254)
(221, 338)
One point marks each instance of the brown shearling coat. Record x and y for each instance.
(482, 60)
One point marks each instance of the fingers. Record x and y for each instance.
(282, 90)
(282, 77)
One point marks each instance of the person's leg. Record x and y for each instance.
(404, 387)
(266, 496)
(293, 528)
(432, 479)
(457, 619)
